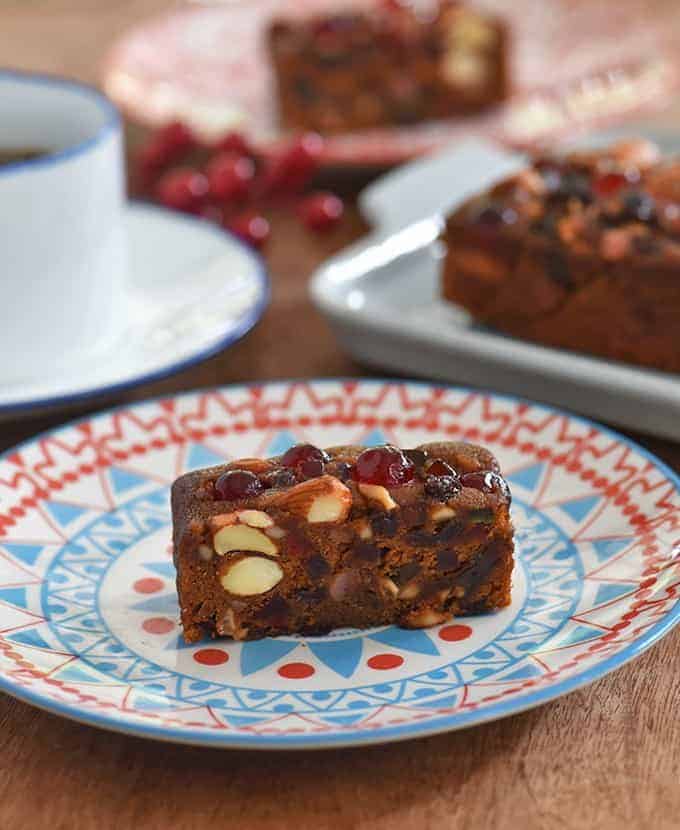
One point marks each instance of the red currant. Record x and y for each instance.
(237, 484)
(290, 171)
(321, 211)
(252, 228)
(234, 143)
(212, 213)
(166, 146)
(183, 189)
(306, 459)
(487, 482)
(386, 465)
(230, 177)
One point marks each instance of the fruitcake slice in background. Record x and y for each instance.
(580, 251)
(387, 63)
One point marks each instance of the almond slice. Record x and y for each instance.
(254, 518)
(377, 492)
(243, 537)
(442, 513)
(318, 500)
(251, 575)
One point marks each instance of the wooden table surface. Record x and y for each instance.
(604, 757)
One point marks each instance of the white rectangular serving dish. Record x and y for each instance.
(381, 296)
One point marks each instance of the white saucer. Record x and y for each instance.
(194, 290)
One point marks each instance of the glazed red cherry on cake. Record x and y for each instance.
(386, 466)
(487, 482)
(237, 484)
(439, 467)
(306, 459)
(609, 184)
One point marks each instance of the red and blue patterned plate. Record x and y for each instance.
(88, 611)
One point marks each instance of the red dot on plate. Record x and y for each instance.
(148, 585)
(296, 671)
(454, 633)
(211, 657)
(158, 625)
(385, 661)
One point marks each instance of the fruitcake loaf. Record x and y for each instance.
(580, 252)
(387, 63)
(317, 539)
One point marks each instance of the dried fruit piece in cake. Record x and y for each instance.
(316, 539)
(580, 251)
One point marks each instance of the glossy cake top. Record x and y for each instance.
(376, 477)
(619, 202)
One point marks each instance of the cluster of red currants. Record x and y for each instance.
(229, 182)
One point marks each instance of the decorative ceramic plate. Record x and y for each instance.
(207, 65)
(88, 612)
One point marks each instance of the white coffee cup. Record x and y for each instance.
(63, 264)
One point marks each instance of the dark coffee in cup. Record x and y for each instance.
(13, 155)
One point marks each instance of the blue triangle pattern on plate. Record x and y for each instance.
(606, 548)
(525, 627)
(151, 703)
(406, 640)
(88, 569)
(123, 480)
(28, 554)
(164, 604)
(374, 438)
(29, 637)
(446, 702)
(166, 569)
(188, 689)
(201, 456)
(579, 508)
(257, 654)
(77, 674)
(246, 720)
(88, 622)
(64, 514)
(340, 655)
(345, 719)
(14, 596)
(527, 477)
(490, 653)
(612, 590)
(281, 442)
(524, 672)
(579, 634)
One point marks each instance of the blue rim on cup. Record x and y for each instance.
(112, 122)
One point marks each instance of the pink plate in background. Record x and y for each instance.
(576, 65)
